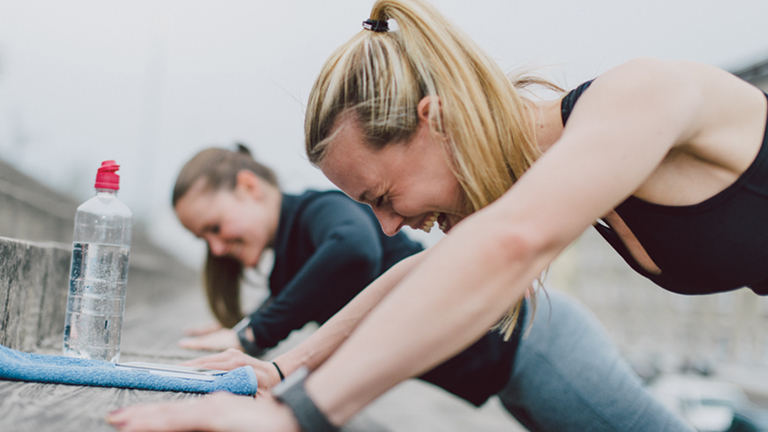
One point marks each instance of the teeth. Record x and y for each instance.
(443, 226)
(430, 222)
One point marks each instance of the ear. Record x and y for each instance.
(249, 184)
(425, 107)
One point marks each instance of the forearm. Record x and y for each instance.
(317, 348)
(443, 306)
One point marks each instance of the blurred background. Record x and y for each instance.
(150, 83)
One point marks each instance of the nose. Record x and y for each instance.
(217, 246)
(390, 221)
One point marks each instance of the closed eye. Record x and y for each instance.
(379, 201)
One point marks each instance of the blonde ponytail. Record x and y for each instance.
(379, 78)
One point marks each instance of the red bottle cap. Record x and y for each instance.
(106, 177)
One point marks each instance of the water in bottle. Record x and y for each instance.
(98, 272)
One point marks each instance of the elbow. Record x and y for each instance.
(526, 246)
(360, 257)
(369, 263)
(363, 267)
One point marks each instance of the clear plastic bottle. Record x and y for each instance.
(99, 272)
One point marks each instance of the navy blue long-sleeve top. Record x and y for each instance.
(327, 249)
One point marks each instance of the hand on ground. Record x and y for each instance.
(217, 412)
(202, 329)
(266, 373)
(218, 340)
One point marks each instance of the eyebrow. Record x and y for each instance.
(206, 228)
(363, 196)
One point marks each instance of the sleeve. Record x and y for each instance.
(347, 257)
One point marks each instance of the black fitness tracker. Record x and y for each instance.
(248, 345)
(291, 392)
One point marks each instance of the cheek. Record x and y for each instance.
(230, 230)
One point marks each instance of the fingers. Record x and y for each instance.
(218, 412)
(189, 343)
(227, 360)
(196, 343)
(216, 341)
(266, 373)
(175, 416)
(202, 329)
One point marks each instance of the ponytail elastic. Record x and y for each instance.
(376, 26)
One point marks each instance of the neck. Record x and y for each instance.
(548, 122)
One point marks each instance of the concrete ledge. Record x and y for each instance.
(33, 293)
(34, 280)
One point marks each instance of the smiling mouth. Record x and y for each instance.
(436, 218)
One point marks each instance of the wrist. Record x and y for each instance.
(246, 338)
(291, 392)
(279, 371)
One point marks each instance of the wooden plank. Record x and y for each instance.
(26, 273)
(37, 407)
(50, 329)
(6, 266)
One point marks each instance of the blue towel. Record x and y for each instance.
(20, 366)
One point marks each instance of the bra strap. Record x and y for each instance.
(566, 106)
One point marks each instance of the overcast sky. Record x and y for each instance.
(150, 83)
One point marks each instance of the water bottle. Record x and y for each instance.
(98, 272)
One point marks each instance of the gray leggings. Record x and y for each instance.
(568, 376)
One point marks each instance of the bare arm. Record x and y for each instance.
(317, 348)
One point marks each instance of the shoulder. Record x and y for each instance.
(666, 82)
(671, 95)
(652, 79)
(652, 73)
(329, 210)
(331, 202)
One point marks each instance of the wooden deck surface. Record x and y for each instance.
(150, 333)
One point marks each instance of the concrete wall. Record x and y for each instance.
(29, 210)
(756, 74)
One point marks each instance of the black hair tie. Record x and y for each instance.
(241, 148)
(376, 26)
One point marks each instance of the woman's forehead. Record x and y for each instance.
(198, 202)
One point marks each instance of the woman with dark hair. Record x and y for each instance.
(327, 247)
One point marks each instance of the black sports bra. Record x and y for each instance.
(720, 244)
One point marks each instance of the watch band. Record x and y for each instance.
(243, 323)
(291, 392)
(250, 347)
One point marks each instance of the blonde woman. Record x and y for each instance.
(667, 158)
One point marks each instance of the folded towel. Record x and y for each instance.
(20, 366)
